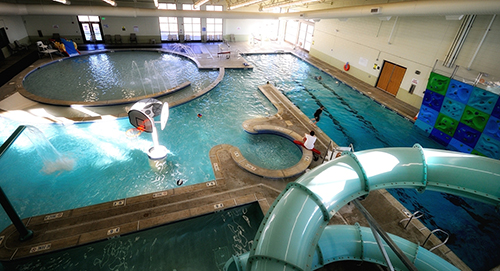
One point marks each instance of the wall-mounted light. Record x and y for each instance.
(63, 2)
(111, 2)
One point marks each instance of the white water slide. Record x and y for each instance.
(294, 234)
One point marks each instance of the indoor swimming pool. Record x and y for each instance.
(113, 76)
(350, 117)
(202, 243)
(119, 165)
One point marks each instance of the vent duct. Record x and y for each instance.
(459, 40)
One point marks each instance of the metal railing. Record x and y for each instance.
(412, 216)
(442, 242)
(417, 215)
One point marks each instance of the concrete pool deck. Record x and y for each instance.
(236, 181)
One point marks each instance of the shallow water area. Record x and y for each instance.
(115, 75)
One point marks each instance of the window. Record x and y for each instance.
(168, 29)
(189, 7)
(214, 25)
(300, 34)
(91, 28)
(85, 18)
(192, 26)
(214, 29)
(292, 30)
(213, 8)
(167, 6)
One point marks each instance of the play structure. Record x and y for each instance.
(294, 234)
(463, 116)
(142, 115)
(67, 47)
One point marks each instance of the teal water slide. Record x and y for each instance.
(294, 234)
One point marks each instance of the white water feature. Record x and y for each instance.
(53, 161)
(183, 49)
(152, 77)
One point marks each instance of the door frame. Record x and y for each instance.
(390, 77)
(92, 30)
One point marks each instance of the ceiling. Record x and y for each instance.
(324, 9)
(149, 4)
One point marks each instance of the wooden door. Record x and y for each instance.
(391, 77)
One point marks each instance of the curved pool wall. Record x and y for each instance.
(103, 151)
(114, 77)
(285, 244)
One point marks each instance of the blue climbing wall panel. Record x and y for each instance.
(460, 116)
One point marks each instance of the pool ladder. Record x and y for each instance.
(333, 150)
(417, 215)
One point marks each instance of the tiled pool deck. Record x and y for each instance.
(236, 180)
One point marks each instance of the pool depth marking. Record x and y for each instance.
(114, 231)
(53, 216)
(119, 203)
(160, 194)
(40, 248)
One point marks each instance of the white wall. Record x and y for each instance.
(244, 28)
(147, 26)
(66, 26)
(14, 27)
(415, 44)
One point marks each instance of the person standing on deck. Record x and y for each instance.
(317, 115)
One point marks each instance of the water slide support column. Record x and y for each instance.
(377, 230)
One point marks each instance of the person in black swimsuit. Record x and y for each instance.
(317, 115)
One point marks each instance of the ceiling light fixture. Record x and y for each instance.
(199, 3)
(111, 2)
(63, 2)
(244, 4)
(286, 4)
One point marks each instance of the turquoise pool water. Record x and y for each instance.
(109, 165)
(202, 243)
(351, 117)
(115, 75)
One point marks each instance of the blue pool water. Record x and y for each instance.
(114, 76)
(202, 243)
(120, 167)
(351, 117)
(109, 165)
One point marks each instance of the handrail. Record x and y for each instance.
(377, 230)
(442, 242)
(24, 233)
(326, 154)
(414, 215)
(11, 139)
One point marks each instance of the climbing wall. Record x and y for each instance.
(461, 117)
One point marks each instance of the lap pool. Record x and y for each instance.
(108, 165)
(351, 117)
